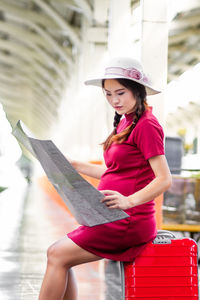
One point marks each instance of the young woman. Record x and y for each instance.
(136, 172)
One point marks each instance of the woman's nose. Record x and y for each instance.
(115, 99)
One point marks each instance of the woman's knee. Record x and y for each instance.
(55, 254)
(59, 253)
(65, 253)
(52, 253)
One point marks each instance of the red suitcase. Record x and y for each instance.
(167, 269)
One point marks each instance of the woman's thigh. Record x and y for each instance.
(66, 253)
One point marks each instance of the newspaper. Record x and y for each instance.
(82, 199)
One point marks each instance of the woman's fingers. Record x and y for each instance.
(114, 199)
(111, 201)
(106, 198)
(112, 204)
(110, 192)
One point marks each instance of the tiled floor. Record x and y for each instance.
(27, 228)
(23, 262)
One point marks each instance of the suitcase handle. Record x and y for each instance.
(164, 237)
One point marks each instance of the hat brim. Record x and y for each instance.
(98, 82)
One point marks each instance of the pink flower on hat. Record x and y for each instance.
(146, 80)
(132, 73)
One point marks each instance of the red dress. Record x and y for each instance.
(128, 171)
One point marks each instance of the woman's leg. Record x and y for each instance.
(71, 290)
(63, 255)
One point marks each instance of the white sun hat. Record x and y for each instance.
(125, 68)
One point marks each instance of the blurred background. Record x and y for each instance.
(47, 49)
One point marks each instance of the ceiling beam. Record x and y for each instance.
(38, 109)
(183, 36)
(171, 76)
(10, 104)
(86, 9)
(40, 95)
(187, 6)
(180, 66)
(36, 100)
(29, 76)
(26, 114)
(28, 53)
(36, 17)
(39, 126)
(80, 6)
(60, 21)
(183, 23)
(30, 81)
(43, 37)
(194, 108)
(17, 75)
(195, 52)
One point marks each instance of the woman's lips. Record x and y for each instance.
(118, 107)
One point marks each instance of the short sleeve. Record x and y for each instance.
(149, 138)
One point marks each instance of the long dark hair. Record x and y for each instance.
(140, 94)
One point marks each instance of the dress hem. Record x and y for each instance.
(107, 256)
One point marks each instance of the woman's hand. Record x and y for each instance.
(114, 199)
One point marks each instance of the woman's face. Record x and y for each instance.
(119, 97)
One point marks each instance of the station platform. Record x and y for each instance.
(30, 221)
(40, 222)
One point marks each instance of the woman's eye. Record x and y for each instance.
(120, 94)
(108, 95)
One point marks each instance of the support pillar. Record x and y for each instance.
(119, 41)
(84, 115)
(154, 49)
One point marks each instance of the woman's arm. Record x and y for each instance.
(157, 186)
(89, 169)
